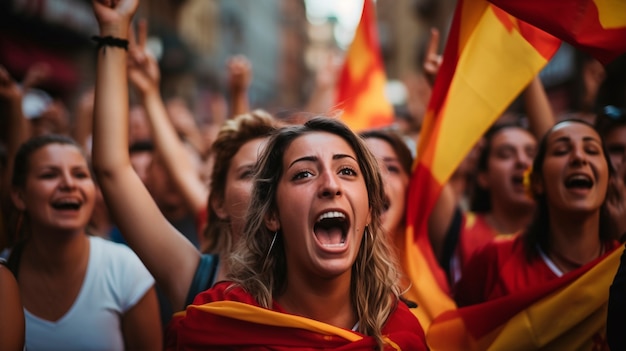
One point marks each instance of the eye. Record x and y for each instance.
(560, 150)
(592, 150)
(347, 171)
(47, 175)
(247, 174)
(302, 175)
(393, 169)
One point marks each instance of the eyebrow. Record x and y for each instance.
(567, 139)
(315, 159)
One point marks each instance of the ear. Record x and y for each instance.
(18, 199)
(272, 222)
(218, 206)
(482, 180)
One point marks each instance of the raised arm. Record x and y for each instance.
(18, 127)
(239, 79)
(143, 72)
(170, 258)
(538, 109)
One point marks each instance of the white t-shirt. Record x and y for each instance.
(114, 282)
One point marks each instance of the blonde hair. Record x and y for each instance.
(374, 287)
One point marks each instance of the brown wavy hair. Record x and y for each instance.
(374, 289)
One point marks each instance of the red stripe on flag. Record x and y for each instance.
(574, 21)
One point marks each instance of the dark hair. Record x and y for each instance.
(480, 200)
(21, 163)
(398, 145)
(537, 232)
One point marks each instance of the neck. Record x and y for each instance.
(508, 220)
(327, 301)
(575, 240)
(55, 252)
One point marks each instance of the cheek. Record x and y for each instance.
(238, 197)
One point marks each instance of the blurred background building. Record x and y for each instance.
(286, 41)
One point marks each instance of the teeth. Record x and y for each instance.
(332, 214)
(342, 244)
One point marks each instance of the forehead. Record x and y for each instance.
(380, 148)
(572, 131)
(513, 136)
(318, 144)
(251, 149)
(57, 154)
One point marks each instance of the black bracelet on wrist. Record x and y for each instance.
(110, 41)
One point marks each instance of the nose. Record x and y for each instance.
(524, 160)
(67, 181)
(330, 185)
(578, 156)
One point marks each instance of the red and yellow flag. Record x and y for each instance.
(490, 57)
(361, 83)
(533, 319)
(595, 26)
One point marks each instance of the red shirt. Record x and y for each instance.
(501, 268)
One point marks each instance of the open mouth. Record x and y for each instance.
(67, 204)
(518, 180)
(579, 181)
(331, 229)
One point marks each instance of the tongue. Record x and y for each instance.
(329, 236)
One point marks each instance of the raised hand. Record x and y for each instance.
(9, 89)
(239, 73)
(114, 16)
(143, 69)
(432, 59)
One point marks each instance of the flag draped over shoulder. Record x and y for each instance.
(490, 57)
(534, 319)
(227, 317)
(361, 83)
(595, 26)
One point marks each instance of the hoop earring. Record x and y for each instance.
(369, 233)
(271, 245)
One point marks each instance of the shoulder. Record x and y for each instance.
(113, 252)
(224, 291)
(404, 329)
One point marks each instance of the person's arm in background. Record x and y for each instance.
(165, 252)
(538, 109)
(12, 327)
(322, 97)
(443, 212)
(239, 79)
(18, 127)
(143, 72)
(83, 123)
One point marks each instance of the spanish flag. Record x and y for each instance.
(597, 27)
(490, 57)
(228, 318)
(534, 319)
(361, 83)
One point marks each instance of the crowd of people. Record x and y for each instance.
(138, 232)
